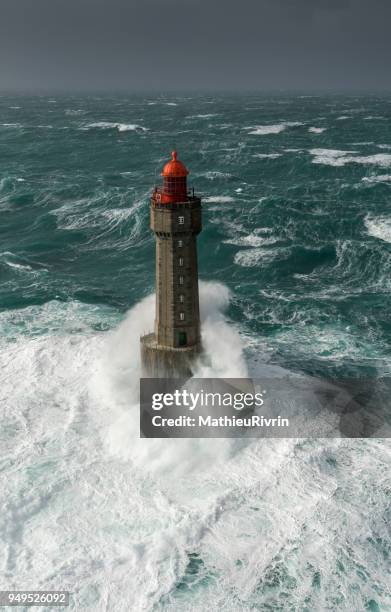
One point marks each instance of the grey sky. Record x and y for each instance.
(197, 44)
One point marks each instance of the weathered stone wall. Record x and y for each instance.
(177, 319)
(171, 350)
(163, 362)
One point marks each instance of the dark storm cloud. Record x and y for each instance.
(197, 44)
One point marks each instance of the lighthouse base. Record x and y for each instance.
(166, 362)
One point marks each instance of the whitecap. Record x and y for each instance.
(12, 125)
(215, 174)
(377, 178)
(333, 157)
(317, 130)
(267, 155)
(382, 160)
(18, 266)
(219, 199)
(75, 112)
(252, 240)
(13, 261)
(330, 157)
(379, 227)
(202, 116)
(124, 127)
(263, 130)
(343, 118)
(253, 257)
(121, 127)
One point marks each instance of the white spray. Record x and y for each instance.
(116, 383)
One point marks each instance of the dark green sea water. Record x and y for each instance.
(297, 225)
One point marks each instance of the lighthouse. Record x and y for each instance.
(176, 220)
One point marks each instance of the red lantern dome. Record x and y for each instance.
(175, 168)
(174, 189)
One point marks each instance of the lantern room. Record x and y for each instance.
(174, 181)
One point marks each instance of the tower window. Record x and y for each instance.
(180, 243)
(181, 298)
(181, 261)
(181, 280)
(181, 220)
(182, 316)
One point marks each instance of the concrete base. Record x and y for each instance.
(166, 362)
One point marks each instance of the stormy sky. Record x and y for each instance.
(168, 45)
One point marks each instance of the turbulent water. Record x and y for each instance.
(295, 261)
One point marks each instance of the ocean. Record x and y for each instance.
(294, 261)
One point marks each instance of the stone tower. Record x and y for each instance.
(176, 221)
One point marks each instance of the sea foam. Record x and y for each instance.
(218, 199)
(202, 116)
(12, 125)
(136, 519)
(251, 240)
(334, 157)
(330, 157)
(263, 130)
(379, 227)
(254, 257)
(121, 127)
(377, 178)
(118, 380)
(317, 130)
(267, 155)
